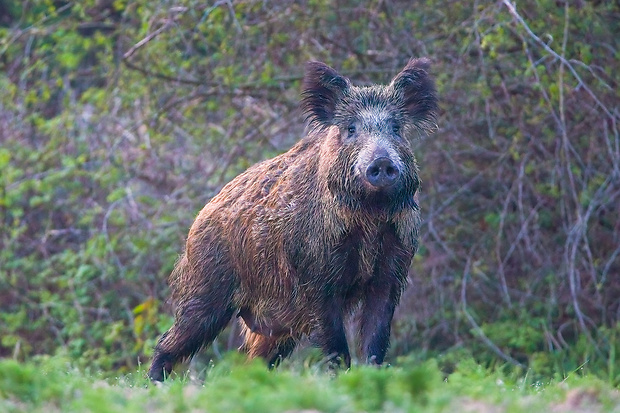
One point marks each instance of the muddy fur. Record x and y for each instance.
(296, 243)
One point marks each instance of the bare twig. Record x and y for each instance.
(513, 11)
(147, 39)
(475, 325)
(162, 76)
(104, 229)
(18, 33)
(498, 245)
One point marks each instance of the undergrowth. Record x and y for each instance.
(50, 384)
(120, 119)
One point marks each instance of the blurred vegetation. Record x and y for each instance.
(120, 119)
(234, 386)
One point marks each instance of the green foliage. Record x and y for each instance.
(120, 119)
(374, 389)
(52, 385)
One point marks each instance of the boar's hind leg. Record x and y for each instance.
(284, 348)
(272, 349)
(198, 322)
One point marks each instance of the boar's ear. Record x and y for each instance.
(415, 91)
(322, 88)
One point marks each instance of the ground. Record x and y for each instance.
(236, 385)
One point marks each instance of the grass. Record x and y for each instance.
(233, 385)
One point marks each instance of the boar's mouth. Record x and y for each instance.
(388, 200)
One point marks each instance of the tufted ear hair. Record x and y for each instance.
(322, 89)
(415, 91)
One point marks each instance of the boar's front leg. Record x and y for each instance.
(331, 335)
(380, 299)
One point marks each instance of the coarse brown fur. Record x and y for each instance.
(296, 243)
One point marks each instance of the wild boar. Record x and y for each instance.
(295, 244)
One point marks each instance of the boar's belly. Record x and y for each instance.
(266, 325)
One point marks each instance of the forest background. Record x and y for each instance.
(120, 119)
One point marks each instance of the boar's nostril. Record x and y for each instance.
(382, 173)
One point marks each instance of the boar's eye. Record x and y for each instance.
(351, 130)
(396, 128)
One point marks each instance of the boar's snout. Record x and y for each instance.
(382, 172)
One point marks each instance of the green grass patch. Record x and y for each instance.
(236, 385)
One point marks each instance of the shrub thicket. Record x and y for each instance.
(120, 119)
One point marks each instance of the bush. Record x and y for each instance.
(120, 119)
